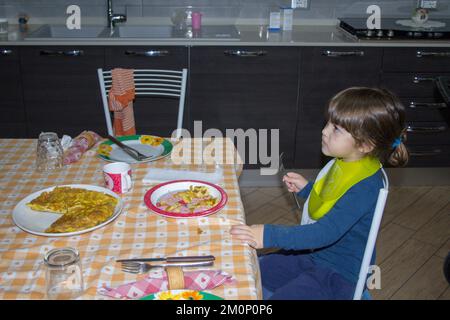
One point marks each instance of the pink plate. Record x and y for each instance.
(152, 196)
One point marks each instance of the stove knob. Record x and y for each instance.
(417, 34)
(369, 33)
(390, 33)
(380, 33)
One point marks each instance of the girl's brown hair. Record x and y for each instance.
(375, 117)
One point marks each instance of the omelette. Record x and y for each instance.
(80, 208)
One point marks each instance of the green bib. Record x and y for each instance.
(340, 178)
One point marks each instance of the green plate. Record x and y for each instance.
(153, 146)
(181, 295)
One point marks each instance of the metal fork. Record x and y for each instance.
(141, 267)
(283, 171)
(131, 151)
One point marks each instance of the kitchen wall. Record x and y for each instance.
(215, 11)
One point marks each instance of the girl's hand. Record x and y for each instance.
(253, 235)
(294, 181)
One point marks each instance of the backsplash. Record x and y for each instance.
(214, 11)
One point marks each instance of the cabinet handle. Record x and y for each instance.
(416, 129)
(330, 53)
(422, 54)
(433, 152)
(243, 53)
(431, 105)
(5, 52)
(149, 53)
(418, 79)
(69, 53)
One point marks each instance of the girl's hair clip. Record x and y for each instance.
(396, 142)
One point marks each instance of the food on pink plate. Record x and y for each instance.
(195, 199)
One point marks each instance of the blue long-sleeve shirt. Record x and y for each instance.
(338, 238)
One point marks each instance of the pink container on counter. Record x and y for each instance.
(196, 20)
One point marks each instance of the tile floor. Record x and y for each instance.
(413, 241)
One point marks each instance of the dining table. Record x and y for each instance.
(136, 232)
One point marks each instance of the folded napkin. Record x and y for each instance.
(194, 280)
(156, 175)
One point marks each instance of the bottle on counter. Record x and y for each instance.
(23, 22)
(274, 18)
(287, 16)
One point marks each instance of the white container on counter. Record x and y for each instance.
(3, 26)
(274, 19)
(287, 17)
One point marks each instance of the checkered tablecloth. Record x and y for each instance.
(137, 232)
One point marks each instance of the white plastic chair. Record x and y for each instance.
(149, 82)
(371, 240)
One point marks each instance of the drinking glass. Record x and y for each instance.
(49, 154)
(64, 276)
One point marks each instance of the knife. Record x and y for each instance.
(172, 259)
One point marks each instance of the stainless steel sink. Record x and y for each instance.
(164, 32)
(160, 32)
(153, 32)
(61, 32)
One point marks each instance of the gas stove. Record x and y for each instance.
(397, 29)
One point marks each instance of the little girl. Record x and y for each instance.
(321, 257)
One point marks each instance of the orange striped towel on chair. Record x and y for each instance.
(121, 98)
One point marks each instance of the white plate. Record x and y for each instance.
(117, 154)
(36, 222)
(153, 152)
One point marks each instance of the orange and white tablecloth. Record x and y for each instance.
(136, 232)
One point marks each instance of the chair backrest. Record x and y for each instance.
(372, 238)
(149, 82)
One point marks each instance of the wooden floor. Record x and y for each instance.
(413, 241)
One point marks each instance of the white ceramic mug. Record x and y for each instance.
(118, 177)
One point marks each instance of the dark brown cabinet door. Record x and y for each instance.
(61, 90)
(12, 120)
(436, 155)
(324, 71)
(327, 70)
(246, 88)
(411, 74)
(153, 115)
(418, 59)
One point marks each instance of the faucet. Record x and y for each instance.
(114, 18)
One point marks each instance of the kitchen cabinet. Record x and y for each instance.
(324, 71)
(410, 73)
(12, 120)
(60, 89)
(55, 88)
(152, 114)
(246, 88)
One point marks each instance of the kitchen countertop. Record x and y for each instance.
(250, 35)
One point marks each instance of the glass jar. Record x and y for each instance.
(64, 276)
(49, 153)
